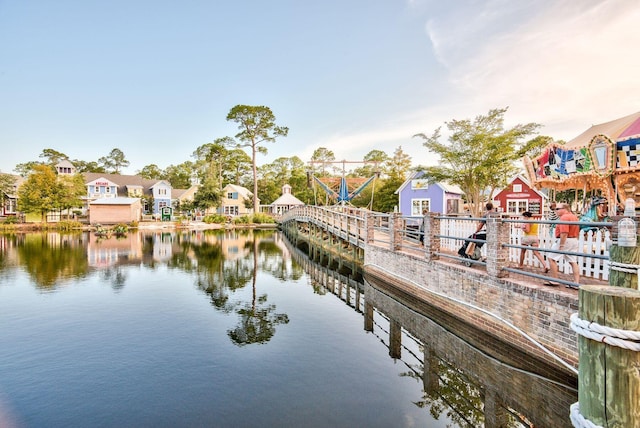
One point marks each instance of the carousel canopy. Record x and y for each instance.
(616, 129)
(587, 161)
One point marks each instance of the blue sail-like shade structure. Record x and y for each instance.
(326, 188)
(343, 193)
(361, 188)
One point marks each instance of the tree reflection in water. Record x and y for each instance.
(258, 319)
(223, 262)
(51, 258)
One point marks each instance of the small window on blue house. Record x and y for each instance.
(419, 184)
(418, 205)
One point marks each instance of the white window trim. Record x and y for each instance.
(519, 203)
(422, 201)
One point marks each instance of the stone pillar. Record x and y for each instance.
(395, 339)
(368, 315)
(431, 240)
(430, 379)
(395, 231)
(370, 223)
(497, 255)
(495, 415)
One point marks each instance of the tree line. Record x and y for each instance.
(479, 156)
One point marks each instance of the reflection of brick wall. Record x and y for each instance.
(481, 360)
(543, 315)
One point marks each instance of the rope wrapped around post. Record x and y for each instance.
(626, 268)
(611, 336)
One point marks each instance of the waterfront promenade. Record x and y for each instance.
(494, 294)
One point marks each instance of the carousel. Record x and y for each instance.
(603, 162)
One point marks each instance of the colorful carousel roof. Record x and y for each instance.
(601, 151)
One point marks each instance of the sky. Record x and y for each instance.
(156, 79)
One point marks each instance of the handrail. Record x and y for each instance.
(362, 227)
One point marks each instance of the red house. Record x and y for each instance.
(518, 196)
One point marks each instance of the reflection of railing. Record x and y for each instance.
(331, 280)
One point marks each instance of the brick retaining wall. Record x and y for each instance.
(541, 313)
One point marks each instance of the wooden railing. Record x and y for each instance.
(444, 235)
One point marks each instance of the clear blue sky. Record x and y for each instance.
(156, 79)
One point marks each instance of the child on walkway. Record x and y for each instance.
(531, 239)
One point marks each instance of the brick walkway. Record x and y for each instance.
(416, 250)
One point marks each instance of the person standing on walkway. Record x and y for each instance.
(532, 240)
(483, 222)
(553, 216)
(425, 214)
(566, 240)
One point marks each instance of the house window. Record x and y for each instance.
(107, 189)
(517, 188)
(517, 206)
(232, 195)
(162, 204)
(453, 206)
(10, 206)
(419, 184)
(418, 205)
(231, 210)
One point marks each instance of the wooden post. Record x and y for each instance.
(609, 376)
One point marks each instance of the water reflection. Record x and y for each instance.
(221, 262)
(468, 377)
(170, 353)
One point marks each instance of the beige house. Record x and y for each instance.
(235, 200)
(115, 210)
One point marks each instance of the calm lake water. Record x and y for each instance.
(204, 329)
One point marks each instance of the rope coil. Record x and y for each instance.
(626, 339)
(626, 268)
(578, 420)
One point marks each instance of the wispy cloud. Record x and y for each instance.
(561, 63)
(567, 65)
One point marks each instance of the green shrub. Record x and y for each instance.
(261, 218)
(243, 219)
(120, 228)
(11, 220)
(215, 218)
(66, 225)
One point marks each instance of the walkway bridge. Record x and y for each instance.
(494, 293)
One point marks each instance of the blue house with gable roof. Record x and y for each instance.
(417, 194)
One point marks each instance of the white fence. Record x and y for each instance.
(591, 242)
